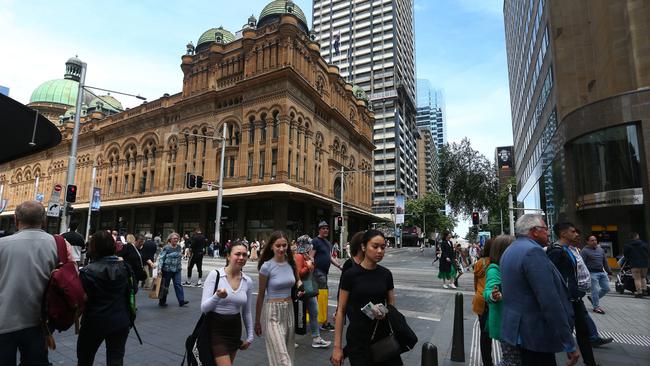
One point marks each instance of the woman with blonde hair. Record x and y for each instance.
(170, 263)
(278, 275)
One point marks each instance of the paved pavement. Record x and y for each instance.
(428, 307)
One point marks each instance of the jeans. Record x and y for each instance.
(30, 342)
(178, 288)
(90, 339)
(312, 310)
(599, 287)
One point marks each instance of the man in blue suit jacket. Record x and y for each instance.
(536, 315)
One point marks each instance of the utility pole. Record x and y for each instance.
(341, 234)
(72, 159)
(217, 224)
(511, 211)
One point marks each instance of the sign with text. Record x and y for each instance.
(97, 201)
(400, 207)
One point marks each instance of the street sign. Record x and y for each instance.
(3, 204)
(58, 188)
(40, 197)
(209, 185)
(53, 209)
(97, 201)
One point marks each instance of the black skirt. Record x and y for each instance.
(225, 333)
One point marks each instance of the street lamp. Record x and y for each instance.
(343, 172)
(79, 68)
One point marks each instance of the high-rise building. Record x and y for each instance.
(427, 162)
(580, 96)
(431, 111)
(372, 43)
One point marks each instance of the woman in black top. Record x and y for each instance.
(107, 281)
(447, 268)
(361, 284)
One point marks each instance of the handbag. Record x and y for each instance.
(386, 348)
(198, 345)
(311, 286)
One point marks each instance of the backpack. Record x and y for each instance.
(198, 347)
(64, 298)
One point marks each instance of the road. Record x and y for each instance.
(419, 295)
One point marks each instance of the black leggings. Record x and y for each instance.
(89, 340)
(198, 260)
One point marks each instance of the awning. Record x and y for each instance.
(227, 193)
(17, 126)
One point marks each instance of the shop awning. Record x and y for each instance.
(19, 124)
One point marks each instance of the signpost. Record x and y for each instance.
(54, 205)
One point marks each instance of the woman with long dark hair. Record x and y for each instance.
(278, 275)
(365, 283)
(107, 281)
(447, 270)
(226, 306)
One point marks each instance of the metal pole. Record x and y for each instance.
(341, 235)
(90, 201)
(2, 191)
(511, 211)
(217, 224)
(72, 159)
(501, 219)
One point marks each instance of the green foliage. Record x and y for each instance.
(432, 205)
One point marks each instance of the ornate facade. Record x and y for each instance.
(292, 122)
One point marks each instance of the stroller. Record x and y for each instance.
(625, 281)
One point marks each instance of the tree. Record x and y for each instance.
(432, 205)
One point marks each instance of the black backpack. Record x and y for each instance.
(198, 345)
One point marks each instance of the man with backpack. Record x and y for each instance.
(28, 258)
(76, 241)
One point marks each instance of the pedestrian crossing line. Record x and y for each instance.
(475, 349)
(624, 338)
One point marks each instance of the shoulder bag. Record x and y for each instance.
(386, 348)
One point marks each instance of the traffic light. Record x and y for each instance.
(475, 218)
(190, 180)
(71, 193)
(199, 181)
(68, 210)
(339, 223)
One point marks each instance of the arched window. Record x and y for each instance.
(276, 124)
(172, 154)
(251, 130)
(263, 128)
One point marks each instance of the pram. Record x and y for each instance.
(625, 281)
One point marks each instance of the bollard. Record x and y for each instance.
(458, 339)
(429, 355)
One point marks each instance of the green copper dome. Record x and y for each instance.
(210, 36)
(279, 7)
(56, 91)
(106, 102)
(359, 93)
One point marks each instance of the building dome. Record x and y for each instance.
(210, 36)
(106, 102)
(61, 91)
(277, 8)
(359, 93)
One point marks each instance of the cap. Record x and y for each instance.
(323, 224)
(303, 244)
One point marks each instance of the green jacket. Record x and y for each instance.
(493, 278)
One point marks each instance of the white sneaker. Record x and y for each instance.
(320, 343)
(295, 345)
(199, 283)
(451, 285)
(445, 286)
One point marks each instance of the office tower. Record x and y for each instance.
(579, 87)
(427, 162)
(431, 111)
(372, 43)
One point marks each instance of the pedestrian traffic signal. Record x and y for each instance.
(339, 223)
(475, 218)
(71, 193)
(199, 181)
(190, 180)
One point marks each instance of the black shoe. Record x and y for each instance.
(162, 304)
(601, 341)
(183, 303)
(327, 327)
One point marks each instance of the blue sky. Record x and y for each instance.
(136, 46)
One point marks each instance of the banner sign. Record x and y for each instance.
(96, 202)
(400, 204)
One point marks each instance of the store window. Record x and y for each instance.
(607, 160)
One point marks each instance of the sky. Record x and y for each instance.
(136, 47)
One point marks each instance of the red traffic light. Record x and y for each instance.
(475, 218)
(71, 193)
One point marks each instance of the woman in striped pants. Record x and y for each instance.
(278, 275)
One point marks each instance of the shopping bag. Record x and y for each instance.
(323, 295)
(155, 288)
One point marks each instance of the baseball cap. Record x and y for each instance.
(323, 224)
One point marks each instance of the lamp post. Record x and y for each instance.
(343, 172)
(217, 224)
(72, 159)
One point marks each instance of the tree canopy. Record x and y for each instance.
(430, 209)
